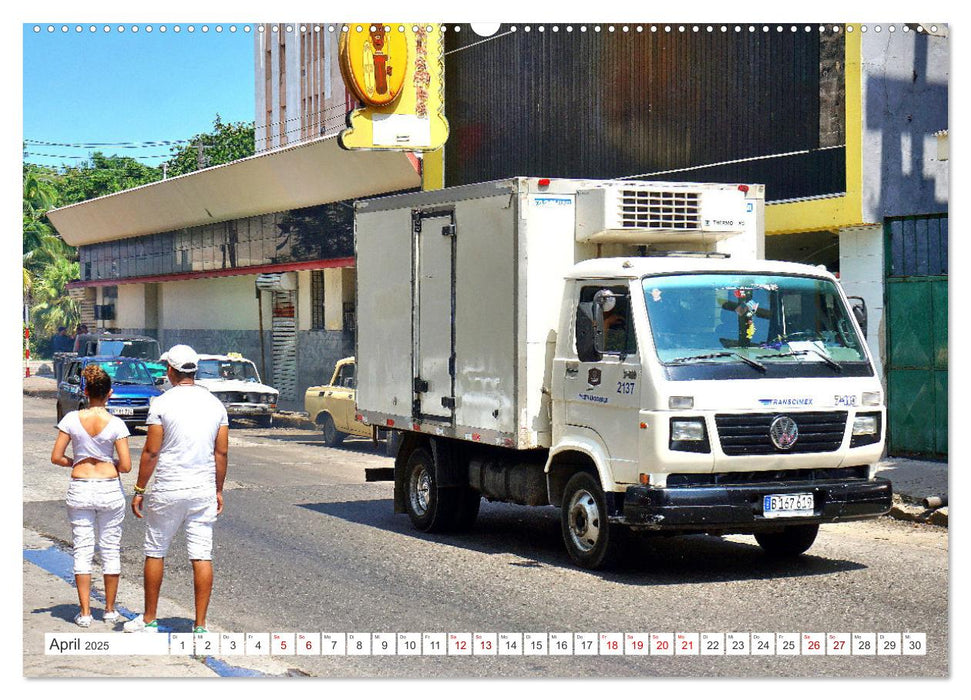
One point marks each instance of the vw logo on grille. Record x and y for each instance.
(784, 432)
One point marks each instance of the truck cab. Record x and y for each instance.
(714, 396)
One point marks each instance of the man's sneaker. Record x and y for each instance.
(111, 616)
(83, 620)
(138, 624)
(200, 630)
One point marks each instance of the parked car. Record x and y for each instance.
(141, 347)
(132, 388)
(234, 380)
(333, 407)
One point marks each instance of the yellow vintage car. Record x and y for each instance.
(331, 406)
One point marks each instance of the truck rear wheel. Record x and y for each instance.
(430, 508)
(792, 541)
(589, 538)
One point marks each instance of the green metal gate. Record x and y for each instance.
(916, 309)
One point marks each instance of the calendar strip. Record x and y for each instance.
(492, 644)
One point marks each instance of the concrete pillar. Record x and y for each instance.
(862, 272)
(334, 299)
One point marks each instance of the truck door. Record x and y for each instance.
(602, 389)
(434, 311)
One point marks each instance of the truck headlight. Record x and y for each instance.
(865, 425)
(689, 435)
(871, 398)
(866, 429)
(685, 430)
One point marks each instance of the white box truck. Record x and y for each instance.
(620, 350)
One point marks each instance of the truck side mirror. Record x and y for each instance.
(858, 305)
(599, 342)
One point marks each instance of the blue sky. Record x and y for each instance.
(96, 87)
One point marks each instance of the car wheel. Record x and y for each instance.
(590, 540)
(431, 509)
(265, 421)
(332, 436)
(792, 541)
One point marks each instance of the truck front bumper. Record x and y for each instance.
(248, 410)
(738, 508)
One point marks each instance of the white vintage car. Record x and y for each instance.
(234, 380)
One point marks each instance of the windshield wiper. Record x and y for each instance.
(796, 353)
(715, 355)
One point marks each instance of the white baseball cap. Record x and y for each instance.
(181, 358)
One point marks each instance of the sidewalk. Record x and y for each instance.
(50, 604)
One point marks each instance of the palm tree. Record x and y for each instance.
(53, 307)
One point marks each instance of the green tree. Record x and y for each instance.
(225, 143)
(41, 244)
(52, 306)
(102, 175)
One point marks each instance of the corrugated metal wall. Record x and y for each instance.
(620, 104)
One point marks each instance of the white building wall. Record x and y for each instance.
(130, 307)
(861, 274)
(222, 303)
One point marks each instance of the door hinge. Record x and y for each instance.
(421, 385)
(416, 220)
(448, 230)
(448, 402)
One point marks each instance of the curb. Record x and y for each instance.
(909, 512)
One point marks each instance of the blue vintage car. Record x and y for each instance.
(132, 388)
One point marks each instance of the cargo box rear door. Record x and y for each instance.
(434, 311)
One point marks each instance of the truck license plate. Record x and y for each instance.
(122, 411)
(787, 505)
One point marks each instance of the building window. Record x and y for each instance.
(317, 300)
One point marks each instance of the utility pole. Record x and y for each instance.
(200, 155)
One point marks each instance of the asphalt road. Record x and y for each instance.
(305, 545)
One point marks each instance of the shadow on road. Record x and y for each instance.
(533, 536)
(354, 445)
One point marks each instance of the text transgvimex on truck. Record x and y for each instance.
(619, 349)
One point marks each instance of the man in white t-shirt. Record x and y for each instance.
(186, 448)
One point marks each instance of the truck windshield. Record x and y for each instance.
(127, 372)
(228, 369)
(141, 349)
(740, 317)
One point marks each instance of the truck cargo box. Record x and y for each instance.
(459, 290)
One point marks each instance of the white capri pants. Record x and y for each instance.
(96, 509)
(167, 511)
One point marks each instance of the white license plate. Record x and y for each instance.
(787, 505)
(121, 411)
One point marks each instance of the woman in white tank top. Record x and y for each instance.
(95, 500)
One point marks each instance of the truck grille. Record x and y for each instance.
(748, 434)
(654, 209)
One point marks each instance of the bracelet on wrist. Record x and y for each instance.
(139, 491)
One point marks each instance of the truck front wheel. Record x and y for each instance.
(430, 508)
(590, 540)
(792, 541)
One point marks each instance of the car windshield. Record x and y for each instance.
(749, 317)
(140, 349)
(127, 372)
(243, 370)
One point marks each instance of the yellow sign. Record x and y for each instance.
(397, 71)
(373, 63)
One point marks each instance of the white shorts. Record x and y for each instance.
(167, 511)
(96, 509)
